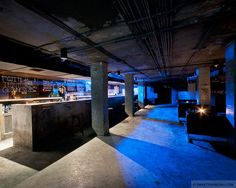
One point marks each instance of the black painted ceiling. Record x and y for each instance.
(93, 13)
(154, 39)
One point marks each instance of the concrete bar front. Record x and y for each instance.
(41, 125)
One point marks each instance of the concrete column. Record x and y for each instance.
(230, 83)
(99, 81)
(203, 94)
(141, 94)
(129, 94)
(191, 87)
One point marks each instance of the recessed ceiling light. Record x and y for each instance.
(64, 54)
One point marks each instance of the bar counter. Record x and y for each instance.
(3, 101)
(6, 114)
(39, 125)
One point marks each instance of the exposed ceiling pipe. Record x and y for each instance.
(210, 28)
(172, 27)
(157, 44)
(170, 78)
(161, 22)
(221, 62)
(135, 28)
(127, 12)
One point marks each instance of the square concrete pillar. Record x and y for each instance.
(203, 93)
(230, 83)
(99, 104)
(129, 94)
(192, 87)
(141, 94)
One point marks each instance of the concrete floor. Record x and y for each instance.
(7, 143)
(41, 159)
(12, 173)
(141, 152)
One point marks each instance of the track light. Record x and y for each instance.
(64, 54)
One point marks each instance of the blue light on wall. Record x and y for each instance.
(117, 76)
(151, 95)
(215, 73)
(141, 94)
(229, 53)
(186, 95)
(230, 83)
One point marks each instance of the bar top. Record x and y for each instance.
(56, 102)
(30, 99)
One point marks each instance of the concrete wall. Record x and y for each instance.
(141, 94)
(174, 96)
(191, 87)
(230, 83)
(231, 89)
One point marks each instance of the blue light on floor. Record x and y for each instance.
(161, 148)
(169, 114)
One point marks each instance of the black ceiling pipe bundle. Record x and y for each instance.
(159, 44)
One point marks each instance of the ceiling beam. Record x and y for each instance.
(211, 27)
(18, 53)
(176, 26)
(207, 63)
(43, 13)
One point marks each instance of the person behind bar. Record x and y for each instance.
(55, 91)
(62, 91)
(12, 93)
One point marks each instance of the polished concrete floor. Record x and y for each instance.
(149, 150)
(7, 143)
(12, 173)
(41, 159)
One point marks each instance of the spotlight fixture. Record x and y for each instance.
(64, 54)
(201, 110)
